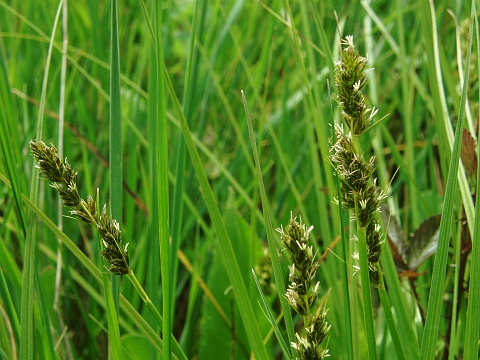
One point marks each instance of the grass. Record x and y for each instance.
(203, 125)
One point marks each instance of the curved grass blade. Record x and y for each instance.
(271, 319)
(277, 271)
(435, 300)
(473, 309)
(224, 243)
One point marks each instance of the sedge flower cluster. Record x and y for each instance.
(303, 290)
(358, 191)
(64, 180)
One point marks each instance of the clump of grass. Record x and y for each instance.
(64, 180)
(303, 290)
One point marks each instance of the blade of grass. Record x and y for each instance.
(224, 242)
(42, 320)
(453, 344)
(430, 335)
(272, 320)
(10, 310)
(187, 107)
(153, 270)
(27, 304)
(469, 125)
(473, 310)
(115, 129)
(441, 115)
(61, 128)
(7, 112)
(163, 184)
(112, 320)
(397, 299)
(393, 328)
(277, 271)
(113, 329)
(116, 176)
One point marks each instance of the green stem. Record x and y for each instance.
(84, 208)
(365, 279)
(345, 269)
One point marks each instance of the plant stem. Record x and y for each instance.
(365, 280)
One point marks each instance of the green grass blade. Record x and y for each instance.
(27, 304)
(153, 270)
(394, 333)
(163, 185)
(224, 242)
(113, 330)
(158, 212)
(457, 249)
(43, 321)
(116, 173)
(6, 128)
(397, 299)
(26, 312)
(472, 329)
(443, 122)
(430, 335)
(270, 235)
(156, 315)
(187, 107)
(9, 306)
(115, 129)
(285, 349)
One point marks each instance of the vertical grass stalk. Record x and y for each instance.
(116, 174)
(26, 313)
(472, 329)
(163, 190)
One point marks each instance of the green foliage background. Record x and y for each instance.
(281, 54)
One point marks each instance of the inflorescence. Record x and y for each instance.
(350, 78)
(300, 293)
(64, 180)
(358, 191)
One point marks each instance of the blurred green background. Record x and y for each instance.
(283, 60)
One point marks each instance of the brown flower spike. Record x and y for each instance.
(64, 180)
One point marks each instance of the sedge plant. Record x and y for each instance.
(64, 179)
(359, 192)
